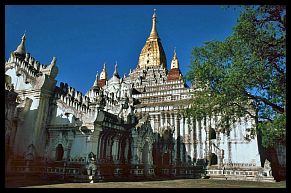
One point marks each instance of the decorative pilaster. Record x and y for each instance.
(178, 117)
(99, 147)
(200, 143)
(115, 149)
(206, 129)
(194, 137)
(152, 121)
(157, 123)
(172, 125)
(162, 122)
(187, 140)
(94, 141)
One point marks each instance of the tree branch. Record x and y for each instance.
(253, 116)
(267, 102)
(267, 118)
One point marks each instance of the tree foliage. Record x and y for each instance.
(245, 74)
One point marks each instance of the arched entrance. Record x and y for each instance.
(59, 152)
(213, 159)
(212, 133)
(166, 159)
(167, 140)
(145, 157)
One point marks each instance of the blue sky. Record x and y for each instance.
(84, 37)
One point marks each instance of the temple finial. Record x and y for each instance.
(103, 75)
(21, 48)
(24, 35)
(115, 73)
(175, 62)
(154, 33)
(175, 54)
(96, 80)
(54, 61)
(115, 68)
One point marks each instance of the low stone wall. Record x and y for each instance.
(246, 175)
(76, 172)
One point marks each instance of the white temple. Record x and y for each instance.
(127, 127)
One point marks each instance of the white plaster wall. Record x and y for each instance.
(241, 150)
(80, 148)
(17, 81)
(24, 135)
(246, 153)
(25, 132)
(59, 117)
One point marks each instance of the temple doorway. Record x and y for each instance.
(166, 159)
(213, 159)
(59, 152)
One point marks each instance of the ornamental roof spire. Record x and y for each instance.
(154, 34)
(115, 73)
(21, 48)
(175, 73)
(175, 55)
(103, 75)
(175, 62)
(96, 80)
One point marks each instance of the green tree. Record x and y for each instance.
(245, 74)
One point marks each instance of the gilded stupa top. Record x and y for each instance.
(152, 54)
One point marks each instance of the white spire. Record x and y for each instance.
(115, 73)
(103, 75)
(96, 80)
(175, 62)
(21, 48)
(175, 55)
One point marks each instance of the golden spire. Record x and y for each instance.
(103, 75)
(152, 54)
(154, 33)
(21, 48)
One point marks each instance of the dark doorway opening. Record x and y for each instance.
(59, 152)
(213, 159)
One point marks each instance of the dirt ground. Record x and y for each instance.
(180, 183)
